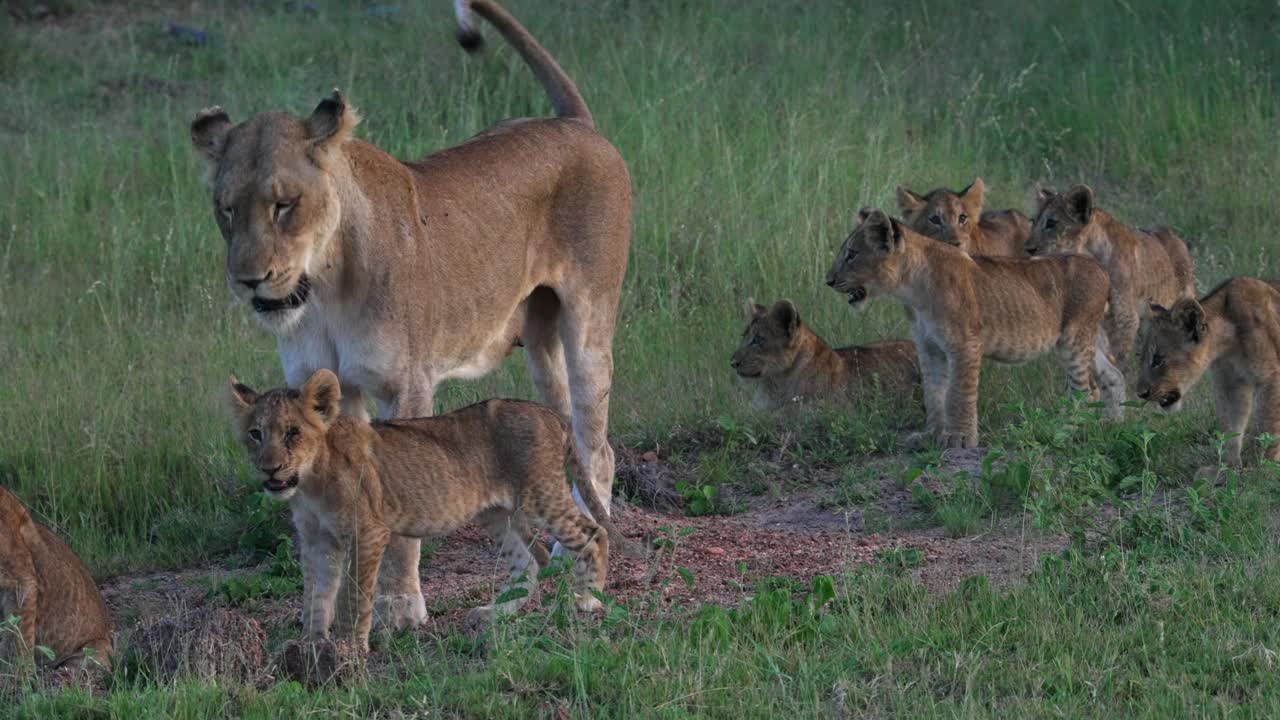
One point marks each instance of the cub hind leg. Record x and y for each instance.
(514, 537)
(589, 544)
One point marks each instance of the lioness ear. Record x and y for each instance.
(786, 316)
(209, 132)
(1189, 316)
(909, 202)
(240, 397)
(332, 121)
(1079, 201)
(973, 197)
(320, 394)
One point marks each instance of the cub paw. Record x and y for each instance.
(479, 618)
(589, 603)
(917, 441)
(954, 440)
(397, 612)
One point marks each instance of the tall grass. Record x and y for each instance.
(753, 130)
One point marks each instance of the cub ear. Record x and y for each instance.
(1079, 200)
(1158, 310)
(209, 132)
(973, 197)
(320, 395)
(909, 202)
(877, 228)
(1044, 194)
(240, 397)
(1189, 317)
(332, 121)
(786, 316)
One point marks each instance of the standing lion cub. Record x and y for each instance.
(351, 485)
(1145, 266)
(45, 585)
(969, 308)
(1234, 331)
(957, 218)
(790, 363)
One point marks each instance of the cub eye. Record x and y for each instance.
(936, 220)
(963, 218)
(280, 209)
(1157, 360)
(228, 213)
(1050, 224)
(292, 434)
(255, 435)
(757, 340)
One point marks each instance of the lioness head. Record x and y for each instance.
(275, 200)
(870, 260)
(769, 343)
(1060, 221)
(943, 215)
(284, 429)
(1173, 353)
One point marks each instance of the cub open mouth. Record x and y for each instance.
(274, 485)
(749, 373)
(1170, 399)
(295, 299)
(857, 295)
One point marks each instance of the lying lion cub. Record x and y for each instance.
(46, 586)
(790, 363)
(967, 308)
(957, 219)
(1233, 331)
(351, 485)
(1145, 266)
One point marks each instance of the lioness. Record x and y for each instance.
(1233, 331)
(398, 275)
(790, 363)
(352, 485)
(45, 585)
(956, 218)
(966, 308)
(1145, 266)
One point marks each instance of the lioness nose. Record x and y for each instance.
(253, 283)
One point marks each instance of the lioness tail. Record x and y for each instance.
(566, 100)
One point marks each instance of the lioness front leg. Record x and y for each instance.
(398, 602)
(960, 428)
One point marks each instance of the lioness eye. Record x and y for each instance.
(963, 218)
(756, 340)
(1157, 360)
(936, 219)
(1050, 224)
(227, 212)
(281, 209)
(255, 435)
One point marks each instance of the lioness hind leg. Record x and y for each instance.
(514, 536)
(587, 334)
(545, 351)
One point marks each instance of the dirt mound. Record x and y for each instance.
(218, 644)
(318, 663)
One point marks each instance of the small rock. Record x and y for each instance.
(716, 551)
(650, 457)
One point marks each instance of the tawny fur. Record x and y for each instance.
(949, 217)
(48, 588)
(1144, 266)
(1234, 333)
(398, 275)
(968, 308)
(789, 363)
(352, 486)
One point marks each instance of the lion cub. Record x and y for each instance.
(966, 308)
(351, 485)
(791, 363)
(956, 218)
(1234, 331)
(46, 586)
(1145, 266)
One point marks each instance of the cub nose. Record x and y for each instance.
(734, 362)
(831, 281)
(253, 283)
(269, 471)
(1144, 393)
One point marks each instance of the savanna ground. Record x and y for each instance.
(811, 569)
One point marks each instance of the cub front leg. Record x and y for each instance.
(960, 428)
(19, 595)
(322, 558)
(366, 557)
(933, 380)
(1268, 411)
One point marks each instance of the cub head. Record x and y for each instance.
(1060, 221)
(870, 260)
(284, 429)
(943, 215)
(770, 342)
(275, 200)
(1174, 353)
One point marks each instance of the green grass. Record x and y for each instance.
(754, 131)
